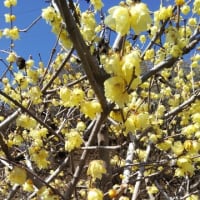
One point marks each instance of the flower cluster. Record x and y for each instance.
(126, 74)
(54, 19)
(98, 4)
(96, 169)
(12, 33)
(74, 140)
(196, 7)
(26, 122)
(40, 157)
(121, 18)
(9, 3)
(88, 25)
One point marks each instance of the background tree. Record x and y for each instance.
(103, 119)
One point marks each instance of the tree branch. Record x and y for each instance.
(89, 62)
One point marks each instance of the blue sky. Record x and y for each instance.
(39, 38)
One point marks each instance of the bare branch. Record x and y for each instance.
(182, 106)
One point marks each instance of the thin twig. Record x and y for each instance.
(32, 115)
(31, 25)
(58, 71)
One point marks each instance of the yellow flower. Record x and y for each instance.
(142, 39)
(65, 94)
(176, 51)
(95, 194)
(48, 14)
(74, 140)
(32, 75)
(192, 197)
(28, 186)
(81, 126)
(149, 54)
(131, 65)
(40, 158)
(112, 63)
(9, 3)
(140, 17)
(196, 118)
(185, 9)
(38, 133)
(88, 25)
(177, 148)
(77, 97)
(166, 145)
(11, 57)
(91, 108)
(26, 122)
(97, 4)
(152, 189)
(137, 122)
(96, 169)
(179, 2)
(35, 95)
(46, 194)
(11, 33)
(192, 21)
(189, 130)
(9, 18)
(115, 90)
(17, 176)
(196, 7)
(119, 19)
(186, 165)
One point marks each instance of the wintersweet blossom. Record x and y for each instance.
(74, 140)
(12, 33)
(9, 18)
(140, 17)
(186, 165)
(115, 90)
(17, 176)
(98, 4)
(40, 158)
(45, 193)
(9, 3)
(112, 63)
(26, 122)
(185, 9)
(95, 194)
(48, 13)
(88, 25)
(131, 65)
(11, 57)
(119, 19)
(55, 20)
(28, 186)
(91, 108)
(192, 197)
(35, 95)
(137, 121)
(96, 169)
(196, 7)
(177, 148)
(179, 2)
(152, 189)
